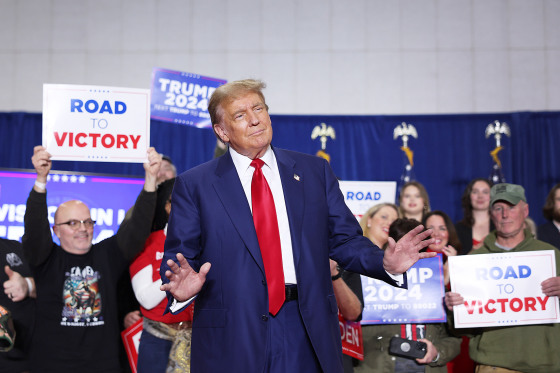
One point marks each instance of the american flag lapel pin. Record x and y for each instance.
(296, 176)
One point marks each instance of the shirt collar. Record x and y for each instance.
(242, 163)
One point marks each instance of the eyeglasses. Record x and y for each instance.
(76, 224)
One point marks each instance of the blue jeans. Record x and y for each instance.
(153, 353)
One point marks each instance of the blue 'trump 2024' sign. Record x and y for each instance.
(181, 97)
(421, 303)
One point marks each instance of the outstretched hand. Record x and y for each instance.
(184, 283)
(400, 256)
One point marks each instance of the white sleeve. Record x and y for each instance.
(177, 306)
(147, 292)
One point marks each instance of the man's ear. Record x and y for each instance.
(221, 133)
(55, 229)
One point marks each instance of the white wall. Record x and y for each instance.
(317, 56)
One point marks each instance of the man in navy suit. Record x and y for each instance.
(211, 225)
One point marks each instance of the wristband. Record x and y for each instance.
(29, 286)
(436, 359)
(337, 276)
(40, 185)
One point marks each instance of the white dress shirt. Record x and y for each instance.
(272, 176)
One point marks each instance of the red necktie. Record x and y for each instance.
(266, 225)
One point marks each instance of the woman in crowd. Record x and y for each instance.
(375, 224)
(476, 223)
(414, 202)
(441, 346)
(376, 221)
(447, 243)
(162, 335)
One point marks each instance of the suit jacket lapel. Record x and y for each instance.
(292, 185)
(230, 192)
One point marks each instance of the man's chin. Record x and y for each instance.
(82, 249)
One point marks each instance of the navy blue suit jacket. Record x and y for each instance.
(549, 234)
(211, 221)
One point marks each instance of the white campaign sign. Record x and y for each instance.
(91, 123)
(503, 289)
(361, 195)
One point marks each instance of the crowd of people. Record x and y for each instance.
(206, 268)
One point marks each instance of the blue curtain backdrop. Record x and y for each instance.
(449, 152)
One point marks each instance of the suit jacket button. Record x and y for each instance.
(263, 282)
(264, 318)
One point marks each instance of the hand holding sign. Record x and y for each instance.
(504, 289)
(453, 299)
(152, 167)
(41, 160)
(551, 287)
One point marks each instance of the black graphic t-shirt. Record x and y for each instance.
(77, 327)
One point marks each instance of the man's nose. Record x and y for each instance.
(253, 118)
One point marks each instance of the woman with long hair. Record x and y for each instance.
(447, 242)
(414, 202)
(476, 223)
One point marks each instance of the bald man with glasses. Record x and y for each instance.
(76, 323)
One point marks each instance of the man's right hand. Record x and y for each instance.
(41, 160)
(453, 299)
(400, 256)
(184, 283)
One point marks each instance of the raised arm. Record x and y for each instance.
(133, 232)
(41, 160)
(37, 239)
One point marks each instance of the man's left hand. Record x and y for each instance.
(400, 256)
(551, 287)
(152, 168)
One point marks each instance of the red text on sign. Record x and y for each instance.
(96, 140)
(506, 305)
